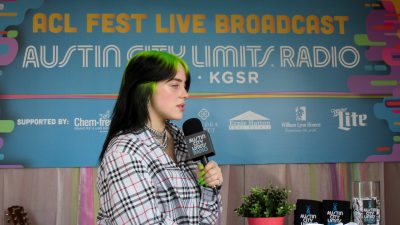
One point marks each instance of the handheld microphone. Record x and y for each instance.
(199, 144)
(198, 140)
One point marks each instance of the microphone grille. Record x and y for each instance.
(192, 126)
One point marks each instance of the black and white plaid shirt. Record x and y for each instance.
(139, 184)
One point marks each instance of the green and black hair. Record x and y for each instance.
(138, 84)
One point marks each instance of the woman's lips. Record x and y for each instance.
(181, 107)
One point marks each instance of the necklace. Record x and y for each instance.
(162, 136)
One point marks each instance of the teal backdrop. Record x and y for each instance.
(272, 81)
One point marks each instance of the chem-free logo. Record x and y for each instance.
(100, 124)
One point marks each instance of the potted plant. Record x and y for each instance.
(266, 205)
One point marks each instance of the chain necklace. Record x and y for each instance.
(162, 136)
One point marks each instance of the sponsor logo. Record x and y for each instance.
(208, 125)
(203, 114)
(301, 113)
(335, 216)
(334, 206)
(249, 121)
(308, 217)
(99, 124)
(308, 211)
(301, 124)
(347, 120)
(370, 212)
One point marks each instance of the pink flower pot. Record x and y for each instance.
(266, 221)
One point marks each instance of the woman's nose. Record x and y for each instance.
(185, 93)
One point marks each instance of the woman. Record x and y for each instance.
(145, 175)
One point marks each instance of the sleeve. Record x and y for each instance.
(126, 192)
(210, 205)
(210, 201)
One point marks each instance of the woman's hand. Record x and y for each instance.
(212, 174)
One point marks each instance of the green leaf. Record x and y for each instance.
(270, 201)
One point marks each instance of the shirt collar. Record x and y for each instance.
(182, 154)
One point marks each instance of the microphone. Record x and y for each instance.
(199, 145)
(198, 140)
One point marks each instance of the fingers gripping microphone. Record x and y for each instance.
(198, 140)
(199, 144)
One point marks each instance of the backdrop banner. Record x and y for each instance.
(272, 81)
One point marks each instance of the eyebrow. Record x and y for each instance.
(176, 79)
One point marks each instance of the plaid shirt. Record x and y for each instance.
(138, 183)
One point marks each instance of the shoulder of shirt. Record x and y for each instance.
(130, 143)
(133, 142)
(175, 129)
